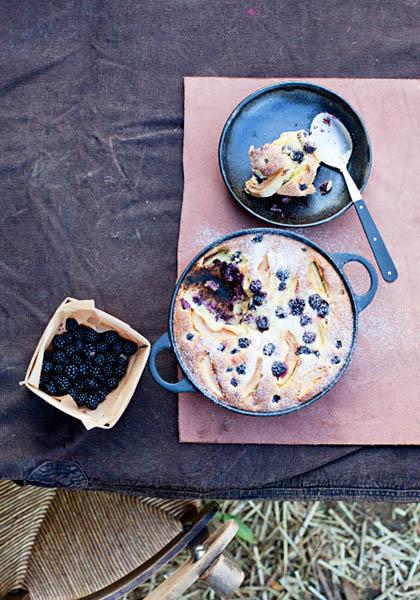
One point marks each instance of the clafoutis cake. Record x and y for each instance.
(263, 322)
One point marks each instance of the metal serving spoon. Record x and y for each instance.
(334, 148)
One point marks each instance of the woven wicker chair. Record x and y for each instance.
(68, 545)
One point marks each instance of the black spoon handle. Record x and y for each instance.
(383, 258)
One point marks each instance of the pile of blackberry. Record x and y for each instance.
(85, 364)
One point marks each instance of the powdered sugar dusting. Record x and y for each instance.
(346, 241)
(205, 235)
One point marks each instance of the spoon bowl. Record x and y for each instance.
(334, 144)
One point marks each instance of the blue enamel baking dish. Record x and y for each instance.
(337, 260)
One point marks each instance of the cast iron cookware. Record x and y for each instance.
(337, 260)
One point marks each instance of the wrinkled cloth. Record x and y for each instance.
(91, 121)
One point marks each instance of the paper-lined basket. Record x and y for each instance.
(111, 409)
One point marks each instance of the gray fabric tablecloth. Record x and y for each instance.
(91, 121)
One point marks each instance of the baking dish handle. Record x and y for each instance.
(341, 259)
(164, 343)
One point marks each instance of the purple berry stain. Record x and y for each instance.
(185, 304)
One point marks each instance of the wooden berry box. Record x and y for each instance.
(111, 409)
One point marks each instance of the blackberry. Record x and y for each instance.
(68, 337)
(79, 332)
(315, 301)
(221, 347)
(63, 384)
(309, 147)
(51, 388)
(58, 342)
(231, 274)
(276, 398)
(269, 349)
(107, 369)
(80, 398)
(121, 360)
(282, 286)
(101, 395)
(130, 347)
(338, 344)
(78, 385)
(101, 346)
(47, 367)
(259, 298)
(58, 368)
(309, 337)
(91, 402)
(298, 156)
(72, 371)
(70, 351)
(303, 350)
(110, 337)
(234, 351)
(43, 382)
(282, 274)
(117, 348)
(335, 360)
(112, 383)
(255, 286)
(257, 239)
(49, 356)
(89, 350)
(109, 357)
(119, 371)
(262, 323)
(78, 346)
(297, 306)
(84, 370)
(280, 312)
(91, 336)
(234, 382)
(185, 304)
(243, 342)
(60, 357)
(100, 360)
(94, 372)
(241, 369)
(278, 369)
(71, 324)
(305, 320)
(197, 300)
(323, 309)
(92, 383)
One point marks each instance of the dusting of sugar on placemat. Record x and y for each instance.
(205, 234)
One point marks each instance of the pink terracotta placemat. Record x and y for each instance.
(378, 399)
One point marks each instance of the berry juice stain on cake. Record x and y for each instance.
(261, 309)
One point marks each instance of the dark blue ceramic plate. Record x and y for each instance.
(261, 118)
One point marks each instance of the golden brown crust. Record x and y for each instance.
(210, 328)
